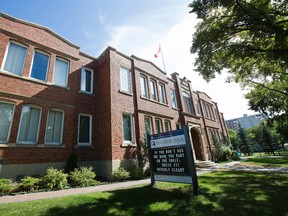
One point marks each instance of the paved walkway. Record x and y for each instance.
(121, 185)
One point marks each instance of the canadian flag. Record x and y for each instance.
(157, 53)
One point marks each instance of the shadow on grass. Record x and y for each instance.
(222, 193)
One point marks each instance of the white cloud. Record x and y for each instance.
(142, 36)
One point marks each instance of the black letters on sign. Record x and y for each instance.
(170, 160)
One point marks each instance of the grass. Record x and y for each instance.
(222, 193)
(271, 161)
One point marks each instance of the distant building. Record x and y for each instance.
(245, 121)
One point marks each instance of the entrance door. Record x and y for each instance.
(197, 144)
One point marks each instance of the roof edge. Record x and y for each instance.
(38, 26)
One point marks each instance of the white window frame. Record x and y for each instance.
(67, 72)
(153, 87)
(186, 104)
(90, 130)
(83, 78)
(62, 126)
(161, 126)
(162, 93)
(173, 98)
(128, 142)
(38, 129)
(128, 79)
(47, 69)
(178, 125)
(6, 54)
(150, 124)
(10, 126)
(145, 80)
(167, 122)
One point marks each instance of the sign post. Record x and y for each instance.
(171, 158)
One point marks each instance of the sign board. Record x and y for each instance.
(171, 158)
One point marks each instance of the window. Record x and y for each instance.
(144, 89)
(153, 90)
(54, 127)
(158, 123)
(187, 102)
(197, 107)
(29, 125)
(125, 78)
(40, 66)
(6, 116)
(162, 93)
(84, 129)
(127, 128)
(167, 126)
(148, 126)
(61, 72)
(178, 126)
(87, 80)
(15, 58)
(173, 98)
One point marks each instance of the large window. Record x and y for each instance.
(197, 107)
(87, 80)
(153, 90)
(54, 127)
(29, 125)
(85, 130)
(162, 93)
(148, 125)
(187, 102)
(127, 128)
(167, 125)
(158, 124)
(61, 72)
(15, 58)
(125, 78)
(173, 98)
(144, 89)
(40, 66)
(6, 115)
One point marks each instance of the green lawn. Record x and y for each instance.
(272, 161)
(222, 193)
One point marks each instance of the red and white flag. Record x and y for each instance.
(157, 53)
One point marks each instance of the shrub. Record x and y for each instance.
(234, 156)
(120, 174)
(226, 153)
(28, 183)
(83, 177)
(71, 164)
(54, 179)
(136, 173)
(6, 186)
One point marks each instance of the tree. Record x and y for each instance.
(245, 145)
(249, 39)
(233, 138)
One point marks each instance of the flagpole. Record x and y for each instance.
(162, 58)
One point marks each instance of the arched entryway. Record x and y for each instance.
(197, 143)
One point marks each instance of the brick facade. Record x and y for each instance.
(105, 107)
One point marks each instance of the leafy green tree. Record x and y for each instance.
(233, 138)
(248, 39)
(245, 144)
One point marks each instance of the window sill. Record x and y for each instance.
(31, 79)
(128, 144)
(154, 101)
(86, 93)
(125, 93)
(84, 146)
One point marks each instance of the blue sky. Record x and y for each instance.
(132, 27)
